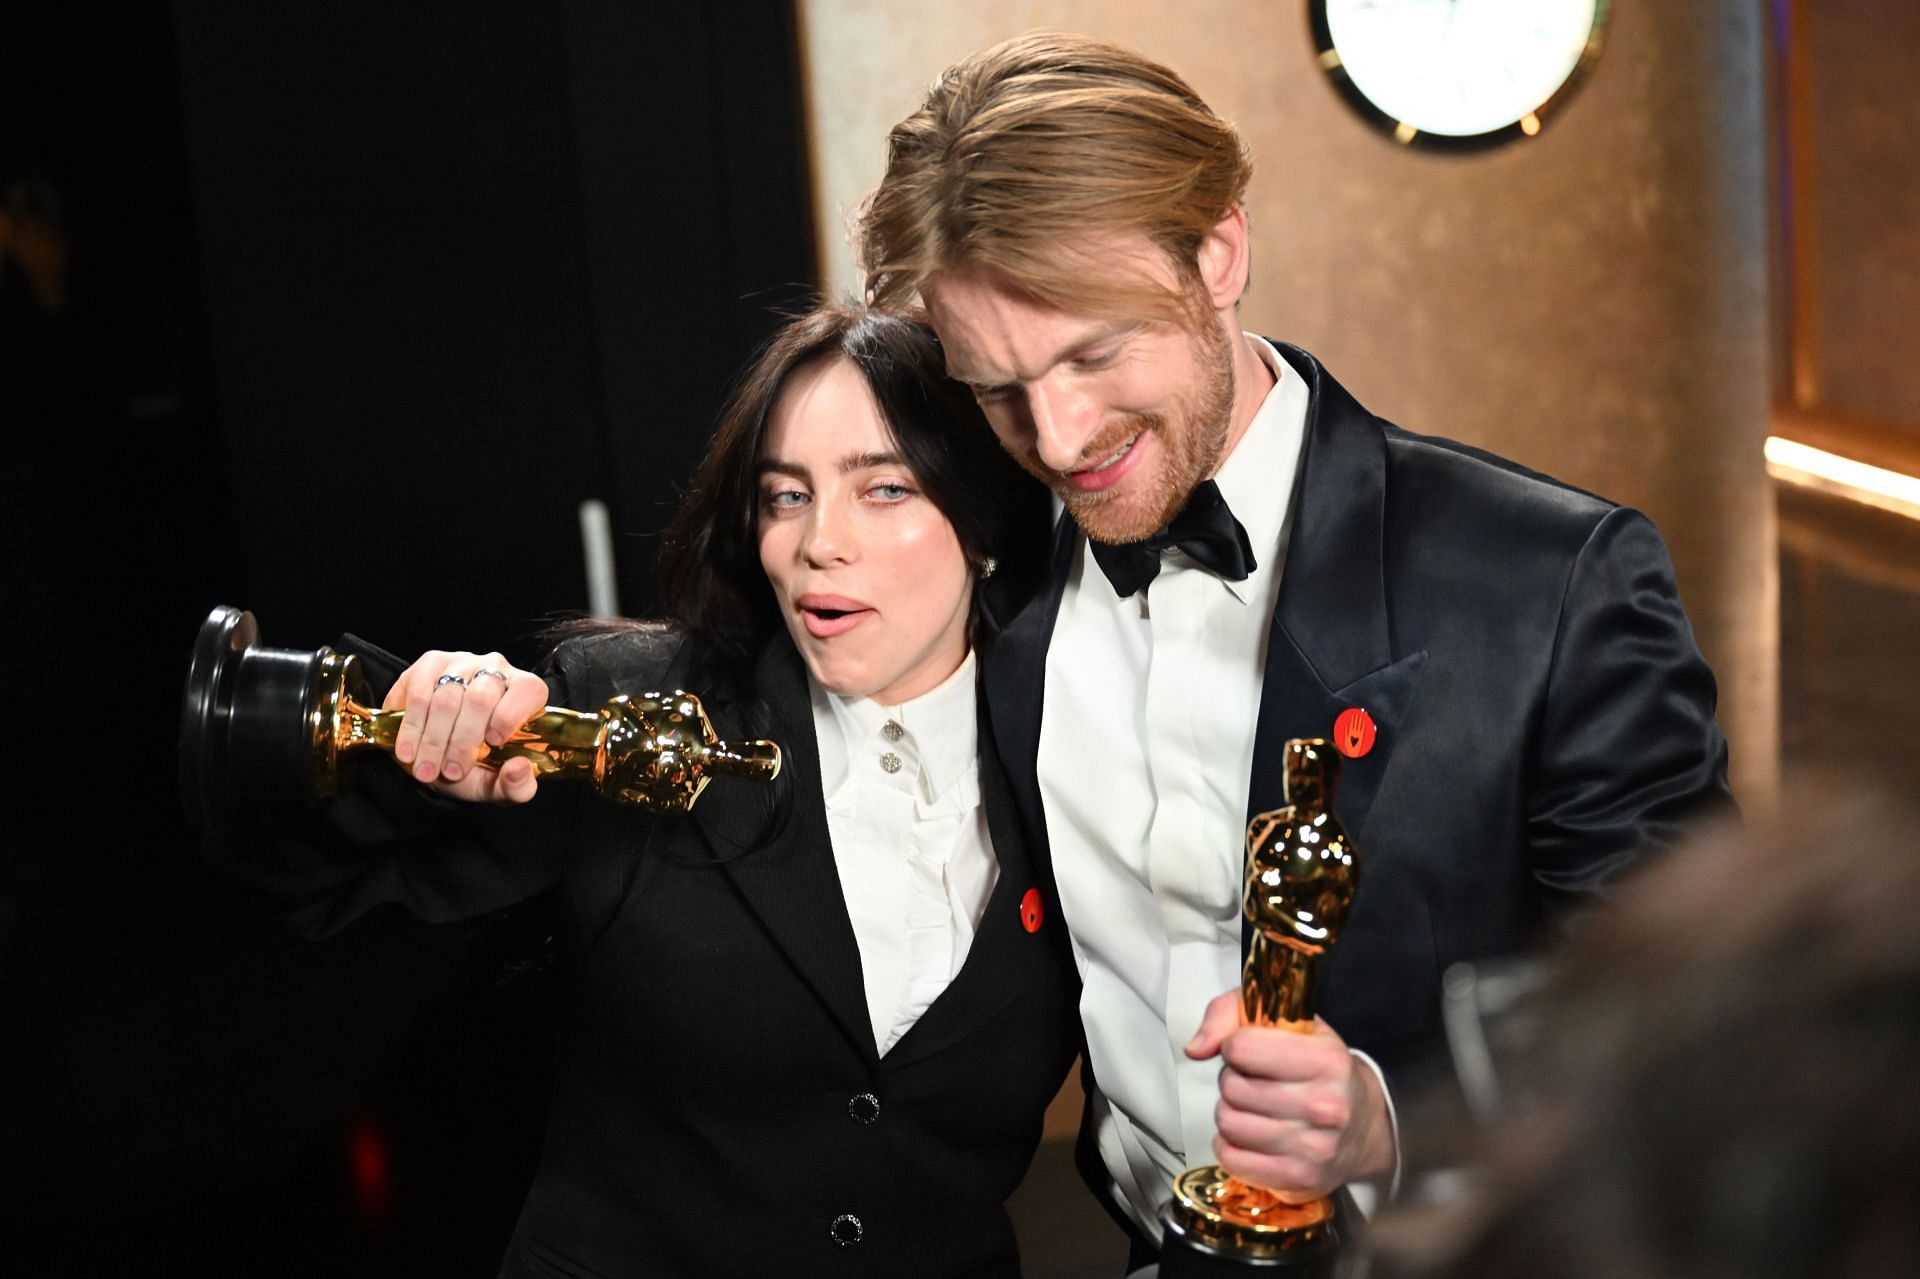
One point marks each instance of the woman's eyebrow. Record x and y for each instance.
(850, 463)
(867, 461)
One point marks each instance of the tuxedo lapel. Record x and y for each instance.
(1016, 626)
(1331, 646)
(775, 847)
(1297, 703)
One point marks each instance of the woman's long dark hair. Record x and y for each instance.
(712, 584)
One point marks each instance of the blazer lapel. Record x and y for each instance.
(776, 849)
(1331, 645)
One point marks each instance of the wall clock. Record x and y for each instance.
(1457, 72)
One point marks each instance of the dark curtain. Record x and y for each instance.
(336, 312)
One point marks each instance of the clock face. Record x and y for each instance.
(1472, 70)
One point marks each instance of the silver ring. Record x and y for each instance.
(451, 679)
(499, 675)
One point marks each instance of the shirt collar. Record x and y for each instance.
(940, 731)
(1257, 478)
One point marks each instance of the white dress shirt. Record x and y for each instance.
(909, 832)
(1146, 756)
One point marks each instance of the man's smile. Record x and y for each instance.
(1110, 470)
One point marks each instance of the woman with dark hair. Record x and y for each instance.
(818, 1022)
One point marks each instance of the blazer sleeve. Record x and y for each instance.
(391, 840)
(1629, 756)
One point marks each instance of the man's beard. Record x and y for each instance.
(1192, 436)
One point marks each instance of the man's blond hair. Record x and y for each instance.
(1029, 159)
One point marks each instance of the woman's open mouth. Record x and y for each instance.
(828, 615)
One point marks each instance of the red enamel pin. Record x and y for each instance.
(1353, 732)
(1030, 912)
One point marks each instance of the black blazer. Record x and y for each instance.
(720, 1104)
(1543, 713)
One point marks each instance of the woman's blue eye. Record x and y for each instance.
(891, 492)
(780, 501)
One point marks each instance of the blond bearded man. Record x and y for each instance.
(1250, 553)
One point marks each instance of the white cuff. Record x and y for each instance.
(1370, 1196)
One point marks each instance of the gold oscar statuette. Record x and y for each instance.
(260, 724)
(1300, 880)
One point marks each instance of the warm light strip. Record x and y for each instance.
(1814, 468)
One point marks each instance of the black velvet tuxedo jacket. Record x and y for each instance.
(720, 1105)
(1543, 713)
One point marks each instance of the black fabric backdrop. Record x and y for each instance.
(364, 299)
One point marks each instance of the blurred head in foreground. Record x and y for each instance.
(1722, 1079)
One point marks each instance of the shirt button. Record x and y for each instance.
(890, 762)
(865, 1108)
(893, 731)
(846, 1230)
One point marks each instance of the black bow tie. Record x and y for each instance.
(1204, 529)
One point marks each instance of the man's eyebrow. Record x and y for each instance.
(1107, 333)
(966, 377)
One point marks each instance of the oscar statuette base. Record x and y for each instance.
(1217, 1226)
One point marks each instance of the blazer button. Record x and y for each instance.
(846, 1230)
(864, 1107)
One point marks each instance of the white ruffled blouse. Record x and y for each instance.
(902, 787)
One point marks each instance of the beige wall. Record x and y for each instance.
(1592, 302)
(1858, 210)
